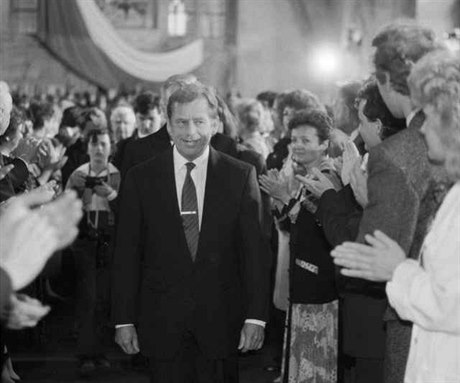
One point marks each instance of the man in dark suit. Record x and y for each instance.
(189, 273)
(404, 191)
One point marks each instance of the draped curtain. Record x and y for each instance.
(79, 35)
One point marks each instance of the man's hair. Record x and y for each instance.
(317, 119)
(301, 99)
(398, 47)
(93, 118)
(268, 97)
(40, 112)
(376, 109)
(191, 92)
(93, 135)
(178, 80)
(146, 102)
(122, 110)
(435, 81)
(71, 117)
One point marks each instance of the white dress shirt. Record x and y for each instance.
(199, 174)
(429, 296)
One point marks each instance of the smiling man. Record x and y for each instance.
(189, 274)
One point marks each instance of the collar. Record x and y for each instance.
(180, 161)
(411, 116)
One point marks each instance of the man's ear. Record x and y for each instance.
(214, 126)
(168, 125)
(384, 80)
(379, 127)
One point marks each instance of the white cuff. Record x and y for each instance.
(123, 325)
(256, 321)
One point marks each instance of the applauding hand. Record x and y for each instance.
(349, 157)
(275, 186)
(374, 262)
(316, 184)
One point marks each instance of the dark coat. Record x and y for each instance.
(403, 198)
(362, 303)
(156, 283)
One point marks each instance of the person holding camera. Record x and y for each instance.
(96, 183)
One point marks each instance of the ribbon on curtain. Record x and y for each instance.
(79, 35)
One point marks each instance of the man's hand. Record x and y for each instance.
(358, 183)
(4, 170)
(25, 312)
(251, 338)
(316, 185)
(27, 149)
(376, 262)
(126, 338)
(350, 156)
(103, 190)
(79, 180)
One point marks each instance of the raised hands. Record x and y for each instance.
(317, 183)
(358, 181)
(30, 235)
(275, 185)
(349, 157)
(374, 262)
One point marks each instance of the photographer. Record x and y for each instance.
(96, 183)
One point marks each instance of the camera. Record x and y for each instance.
(91, 182)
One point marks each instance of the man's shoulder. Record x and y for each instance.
(152, 165)
(225, 160)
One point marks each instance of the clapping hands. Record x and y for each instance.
(275, 185)
(374, 262)
(349, 157)
(317, 183)
(358, 181)
(30, 235)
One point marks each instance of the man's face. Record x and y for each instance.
(429, 129)
(306, 148)
(191, 127)
(149, 123)
(368, 130)
(288, 113)
(389, 98)
(99, 150)
(123, 125)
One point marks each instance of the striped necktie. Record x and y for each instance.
(189, 211)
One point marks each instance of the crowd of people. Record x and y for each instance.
(197, 222)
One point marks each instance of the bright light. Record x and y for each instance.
(325, 62)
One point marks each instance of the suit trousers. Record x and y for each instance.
(191, 366)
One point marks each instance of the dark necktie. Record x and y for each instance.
(189, 211)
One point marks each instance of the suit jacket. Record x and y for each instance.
(363, 304)
(140, 150)
(156, 283)
(404, 194)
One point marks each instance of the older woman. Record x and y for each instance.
(426, 291)
(311, 339)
